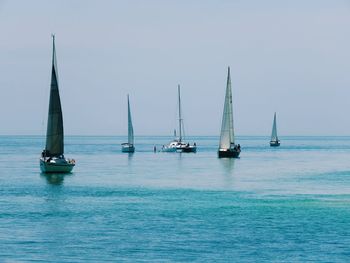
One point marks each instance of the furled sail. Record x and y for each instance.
(274, 130)
(54, 134)
(130, 127)
(227, 135)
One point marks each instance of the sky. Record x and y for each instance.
(291, 56)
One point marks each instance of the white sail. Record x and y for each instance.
(130, 127)
(274, 130)
(54, 135)
(227, 134)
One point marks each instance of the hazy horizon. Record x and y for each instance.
(291, 57)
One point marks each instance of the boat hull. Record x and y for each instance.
(168, 149)
(128, 148)
(275, 143)
(171, 147)
(187, 149)
(61, 166)
(228, 153)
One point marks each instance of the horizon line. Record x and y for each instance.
(157, 135)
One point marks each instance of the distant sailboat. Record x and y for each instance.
(274, 138)
(129, 147)
(178, 145)
(52, 159)
(227, 146)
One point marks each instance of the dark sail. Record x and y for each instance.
(130, 127)
(54, 134)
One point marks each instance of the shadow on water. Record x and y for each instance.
(54, 178)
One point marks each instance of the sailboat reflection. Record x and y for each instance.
(228, 165)
(54, 178)
(130, 157)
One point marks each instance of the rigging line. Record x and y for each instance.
(44, 112)
(183, 130)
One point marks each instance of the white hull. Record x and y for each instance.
(128, 148)
(176, 146)
(171, 147)
(168, 149)
(56, 165)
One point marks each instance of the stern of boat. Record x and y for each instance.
(275, 143)
(228, 153)
(56, 165)
(128, 148)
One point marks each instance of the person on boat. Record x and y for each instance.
(188, 144)
(154, 148)
(239, 147)
(45, 153)
(194, 144)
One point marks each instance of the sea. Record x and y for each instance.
(284, 204)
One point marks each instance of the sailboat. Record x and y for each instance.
(274, 138)
(227, 146)
(129, 147)
(178, 144)
(52, 159)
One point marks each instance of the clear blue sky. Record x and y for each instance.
(292, 57)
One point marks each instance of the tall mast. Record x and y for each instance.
(129, 130)
(180, 120)
(232, 138)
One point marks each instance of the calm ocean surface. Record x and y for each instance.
(286, 204)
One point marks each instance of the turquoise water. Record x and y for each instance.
(286, 204)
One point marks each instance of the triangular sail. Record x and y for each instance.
(274, 130)
(54, 134)
(130, 127)
(227, 134)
